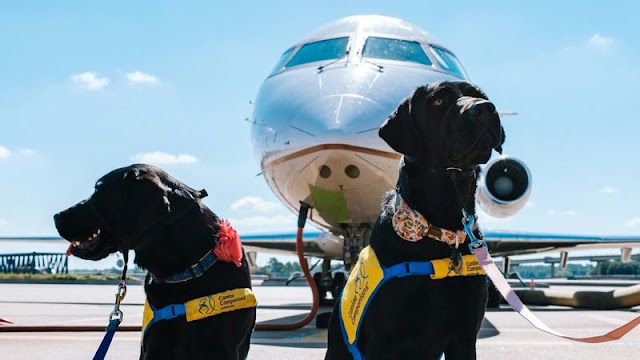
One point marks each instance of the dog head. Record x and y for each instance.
(445, 124)
(127, 203)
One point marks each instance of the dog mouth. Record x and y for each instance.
(478, 151)
(478, 148)
(82, 246)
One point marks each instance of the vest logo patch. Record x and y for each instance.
(363, 280)
(207, 305)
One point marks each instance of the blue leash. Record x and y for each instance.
(106, 341)
(116, 316)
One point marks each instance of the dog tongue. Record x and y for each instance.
(69, 249)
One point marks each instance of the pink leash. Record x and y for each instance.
(516, 304)
(479, 249)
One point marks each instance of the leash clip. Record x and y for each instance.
(468, 221)
(117, 314)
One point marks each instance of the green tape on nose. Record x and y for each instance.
(330, 203)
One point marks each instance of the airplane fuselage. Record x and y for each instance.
(315, 131)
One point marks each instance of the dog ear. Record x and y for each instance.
(399, 129)
(145, 201)
(498, 148)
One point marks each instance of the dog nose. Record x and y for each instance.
(482, 109)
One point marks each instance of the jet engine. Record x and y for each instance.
(504, 187)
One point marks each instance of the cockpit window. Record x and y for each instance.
(320, 50)
(448, 61)
(394, 49)
(285, 56)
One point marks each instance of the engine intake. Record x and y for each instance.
(504, 188)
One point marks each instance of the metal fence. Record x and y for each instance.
(34, 263)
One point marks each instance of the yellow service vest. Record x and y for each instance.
(368, 275)
(200, 308)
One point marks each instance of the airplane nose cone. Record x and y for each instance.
(344, 114)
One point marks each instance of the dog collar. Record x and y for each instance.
(192, 272)
(412, 226)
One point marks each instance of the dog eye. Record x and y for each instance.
(437, 102)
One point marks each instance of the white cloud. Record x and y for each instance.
(3, 222)
(268, 224)
(4, 152)
(530, 204)
(635, 222)
(140, 78)
(599, 41)
(608, 190)
(277, 220)
(90, 80)
(162, 158)
(553, 212)
(252, 203)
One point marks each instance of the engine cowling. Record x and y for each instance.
(504, 187)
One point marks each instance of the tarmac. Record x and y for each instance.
(504, 334)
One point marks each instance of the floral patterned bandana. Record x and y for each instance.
(410, 225)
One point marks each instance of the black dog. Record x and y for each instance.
(190, 254)
(441, 129)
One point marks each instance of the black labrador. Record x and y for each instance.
(444, 131)
(190, 253)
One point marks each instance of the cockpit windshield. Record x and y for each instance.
(394, 49)
(285, 56)
(448, 61)
(329, 49)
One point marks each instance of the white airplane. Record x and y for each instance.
(315, 135)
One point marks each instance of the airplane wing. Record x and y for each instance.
(326, 245)
(285, 243)
(505, 243)
(501, 243)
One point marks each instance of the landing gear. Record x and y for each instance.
(329, 283)
(356, 237)
(332, 281)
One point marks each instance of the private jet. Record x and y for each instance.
(315, 137)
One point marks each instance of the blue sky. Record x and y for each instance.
(88, 86)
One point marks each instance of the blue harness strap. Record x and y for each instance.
(165, 313)
(411, 268)
(408, 269)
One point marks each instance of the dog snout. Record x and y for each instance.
(482, 109)
(68, 220)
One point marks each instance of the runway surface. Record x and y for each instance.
(504, 334)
